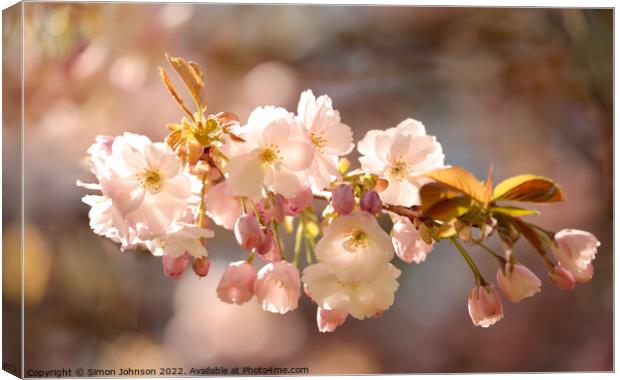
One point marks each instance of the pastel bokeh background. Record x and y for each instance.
(526, 90)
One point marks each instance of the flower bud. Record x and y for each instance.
(485, 305)
(328, 320)
(562, 278)
(371, 202)
(248, 232)
(301, 201)
(517, 282)
(575, 250)
(237, 283)
(175, 266)
(201, 266)
(267, 245)
(343, 199)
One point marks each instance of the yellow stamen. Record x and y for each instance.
(151, 180)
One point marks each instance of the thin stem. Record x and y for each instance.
(276, 232)
(489, 250)
(472, 265)
(202, 207)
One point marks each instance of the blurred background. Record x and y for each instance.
(526, 90)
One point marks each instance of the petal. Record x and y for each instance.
(286, 183)
(245, 175)
(297, 155)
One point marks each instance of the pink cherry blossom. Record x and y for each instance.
(222, 206)
(248, 232)
(355, 247)
(330, 138)
(485, 305)
(146, 183)
(237, 283)
(575, 250)
(329, 320)
(401, 154)
(517, 282)
(361, 299)
(278, 287)
(408, 243)
(274, 155)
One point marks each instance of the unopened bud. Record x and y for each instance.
(343, 199)
(248, 231)
(562, 278)
(371, 202)
(175, 266)
(201, 266)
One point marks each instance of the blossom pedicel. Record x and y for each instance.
(260, 178)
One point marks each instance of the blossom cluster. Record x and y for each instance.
(266, 177)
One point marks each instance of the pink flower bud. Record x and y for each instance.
(301, 201)
(271, 209)
(278, 287)
(517, 282)
(175, 266)
(237, 283)
(201, 266)
(562, 278)
(343, 200)
(371, 202)
(328, 320)
(267, 245)
(485, 305)
(248, 232)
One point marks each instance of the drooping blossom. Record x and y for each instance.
(329, 320)
(355, 247)
(358, 298)
(278, 287)
(274, 155)
(330, 138)
(248, 231)
(222, 206)
(517, 282)
(575, 250)
(408, 243)
(237, 283)
(485, 305)
(562, 278)
(400, 155)
(343, 200)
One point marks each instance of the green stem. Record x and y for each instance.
(489, 250)
(479, 280)
(276, 232)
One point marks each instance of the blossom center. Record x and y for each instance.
(269, 155)
(399, 169)
(318, 141)
(151, 180)
(352, 285)
(357, 238)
